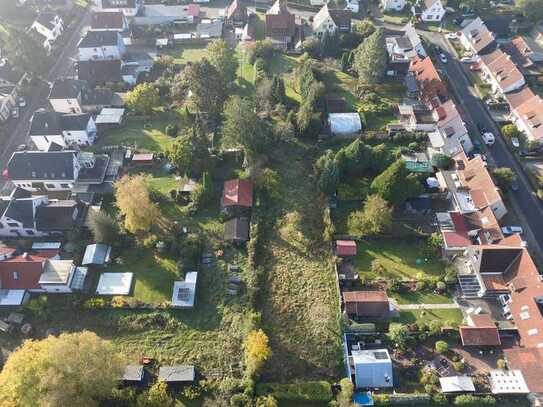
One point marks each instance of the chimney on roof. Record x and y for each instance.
(25, 256)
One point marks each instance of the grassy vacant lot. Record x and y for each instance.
(452, 316)
(186, 53)
(300, 301)
(412, 297)
(401, 259)
(144, 134)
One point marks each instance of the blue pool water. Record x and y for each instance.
(363, 399)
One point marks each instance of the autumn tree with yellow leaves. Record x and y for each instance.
(257, 351)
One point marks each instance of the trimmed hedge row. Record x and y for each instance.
(311, 391)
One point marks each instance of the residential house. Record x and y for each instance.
(161, 14)
(481, 331)
(65, 95)
(432, 90)
(331, 21)
(527, 113)
(416, 117)
(48, 26)
(100, 72)
(471, 186)
(56, 170)
(476, 37)
(236, 13)
(524, 51)
(527, 364)
(451, 135)
(62, 129)
(404, 48)
(41, 275)
(501, 72)
(128, 7)
(372, 368)
(109, 21)
(429, 10)
(392, 5)
(237, 194)
(101, 45)
(177, 374)
(367, 305)
(280, 25)
(209, 29)
(27, 215)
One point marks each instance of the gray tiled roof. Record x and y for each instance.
(41, 165)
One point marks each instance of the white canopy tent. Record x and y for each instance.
(344, 124)
(114, 284)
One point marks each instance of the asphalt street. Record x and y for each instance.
(17, 129)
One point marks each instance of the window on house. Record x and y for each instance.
(14, 231)
(15, 275)
(65, 186)
(30, 232)
(13, 224)
(50, 185)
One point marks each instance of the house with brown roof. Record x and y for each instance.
(501, 73)
(109, 21)
(481, 331)
(451, 135)
(331, 20)
(524, 51)
(237, 194)
(527, 113)
(280, 25)
(367, 305)
(236, 13)
(432, 90)
(529, 361)
(476, 37)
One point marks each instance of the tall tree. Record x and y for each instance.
(257, 351)
(134, 202)
(242, 127)
(327, 173)
(370, 59)
(374, 218)
(143, 98)
(25, 53)
(278, 90)
(208, 91)
(103, 227)
(223, 58)
(190, 152)
(156, 396)
(76, 369)
(396, 184)
(531, 9)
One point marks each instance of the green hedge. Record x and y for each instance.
(312, 391)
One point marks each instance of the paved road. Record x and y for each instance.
(17, 131)
(473, 110)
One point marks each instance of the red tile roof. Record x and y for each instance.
(238, 192)
(503, 70)
(21, 272)
(428, 80)
(529, 361)
(482, 332)
(345, 248)
(367, 303)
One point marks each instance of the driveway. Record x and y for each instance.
(17, 130)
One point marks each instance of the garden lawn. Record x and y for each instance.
(401, 259)
(448, 316)
(415, 297)
(300, 300)
(187, 53)
(143, 134)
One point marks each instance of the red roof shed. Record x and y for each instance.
(238, 192)
(345, 248)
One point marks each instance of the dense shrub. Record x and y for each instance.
(469, 400)
(311, 391)
(172, 130)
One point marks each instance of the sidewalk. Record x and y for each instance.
(405, 307)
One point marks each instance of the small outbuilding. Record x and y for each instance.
(177, 374)
(109, 117)
(114, 284)
(457, 384)
(12, 298)
(133, 374)
(184, 292)
(237, 193)
(372, 305)
(373, 368)
(143, 159)
(345, 248)
(96, 254)
(237, 230)
(344, 124)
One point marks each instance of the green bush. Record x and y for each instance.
(311, 391)
(172, 130)
(442, 347)
(469, 400)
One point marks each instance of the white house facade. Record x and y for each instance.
(49, 26)
(128, 7)
(429, 10)
(393, 5)
(101, 45)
